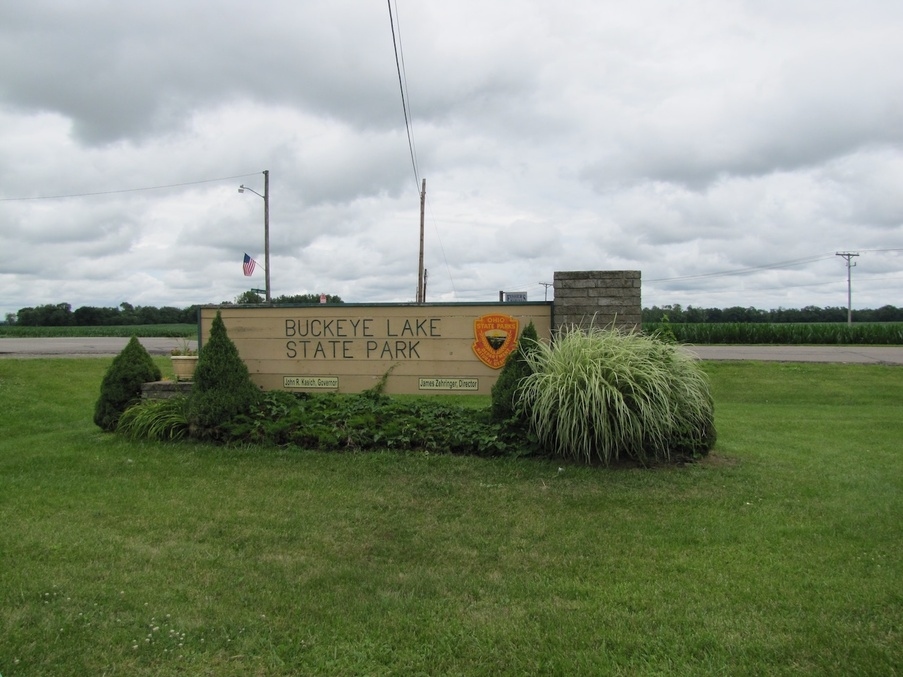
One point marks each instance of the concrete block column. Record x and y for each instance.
(600, 298)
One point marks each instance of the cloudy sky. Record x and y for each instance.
(727, 149)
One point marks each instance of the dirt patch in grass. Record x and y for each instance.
(719, 461)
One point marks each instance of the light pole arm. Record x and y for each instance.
(242, 188)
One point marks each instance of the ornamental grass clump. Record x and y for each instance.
(160, 420)
(604, 395)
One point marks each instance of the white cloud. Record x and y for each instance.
(684, 140)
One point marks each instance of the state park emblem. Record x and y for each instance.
(495, 337)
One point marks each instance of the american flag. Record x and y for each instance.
(249, 265)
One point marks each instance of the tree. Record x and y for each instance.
(222, 385)
(248, 298)
(89, 316)
(127, 313)
(50, 315)
(302, 299)
(121, 385)
(504, 391)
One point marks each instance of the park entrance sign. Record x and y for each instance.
(439, 348)
(424, 348)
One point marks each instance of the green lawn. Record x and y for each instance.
(780, 554)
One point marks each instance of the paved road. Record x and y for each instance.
(850, 354)
(105, 347)
(82, 347)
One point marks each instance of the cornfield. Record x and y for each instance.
(745, 333)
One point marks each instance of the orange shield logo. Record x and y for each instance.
(495, 337)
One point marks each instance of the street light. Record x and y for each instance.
(266, 225)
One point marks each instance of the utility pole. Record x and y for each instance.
(420, 278)
(847, 256)
(266, 231)
(266, 225)
(546, 285)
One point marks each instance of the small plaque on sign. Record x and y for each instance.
(440, 383)
(515, 297)
(327, 382)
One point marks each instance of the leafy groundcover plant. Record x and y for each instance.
(363, 422)
(604, 395)
(372, 421)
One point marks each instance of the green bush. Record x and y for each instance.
(604, 395)
(121, 385)
(222, 386)
(504, 392)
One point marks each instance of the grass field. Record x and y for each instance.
(781, 554)
(126, 331)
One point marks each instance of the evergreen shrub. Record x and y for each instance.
(121, 385)
(222, 386)
(504, 392)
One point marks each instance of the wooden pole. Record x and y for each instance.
(266, 230)
(420, 280)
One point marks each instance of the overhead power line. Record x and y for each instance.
(745, 271)
(402, 79)
(127, 190)
(395, 25)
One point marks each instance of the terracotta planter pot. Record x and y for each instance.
(183, 366)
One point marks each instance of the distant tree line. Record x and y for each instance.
(690, 315)
(250, 297)
(62, 315)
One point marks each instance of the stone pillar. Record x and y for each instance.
(600, 298)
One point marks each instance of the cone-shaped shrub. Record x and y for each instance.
(222, 385)
(504, 404)
(121, 385)
(605, 395)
